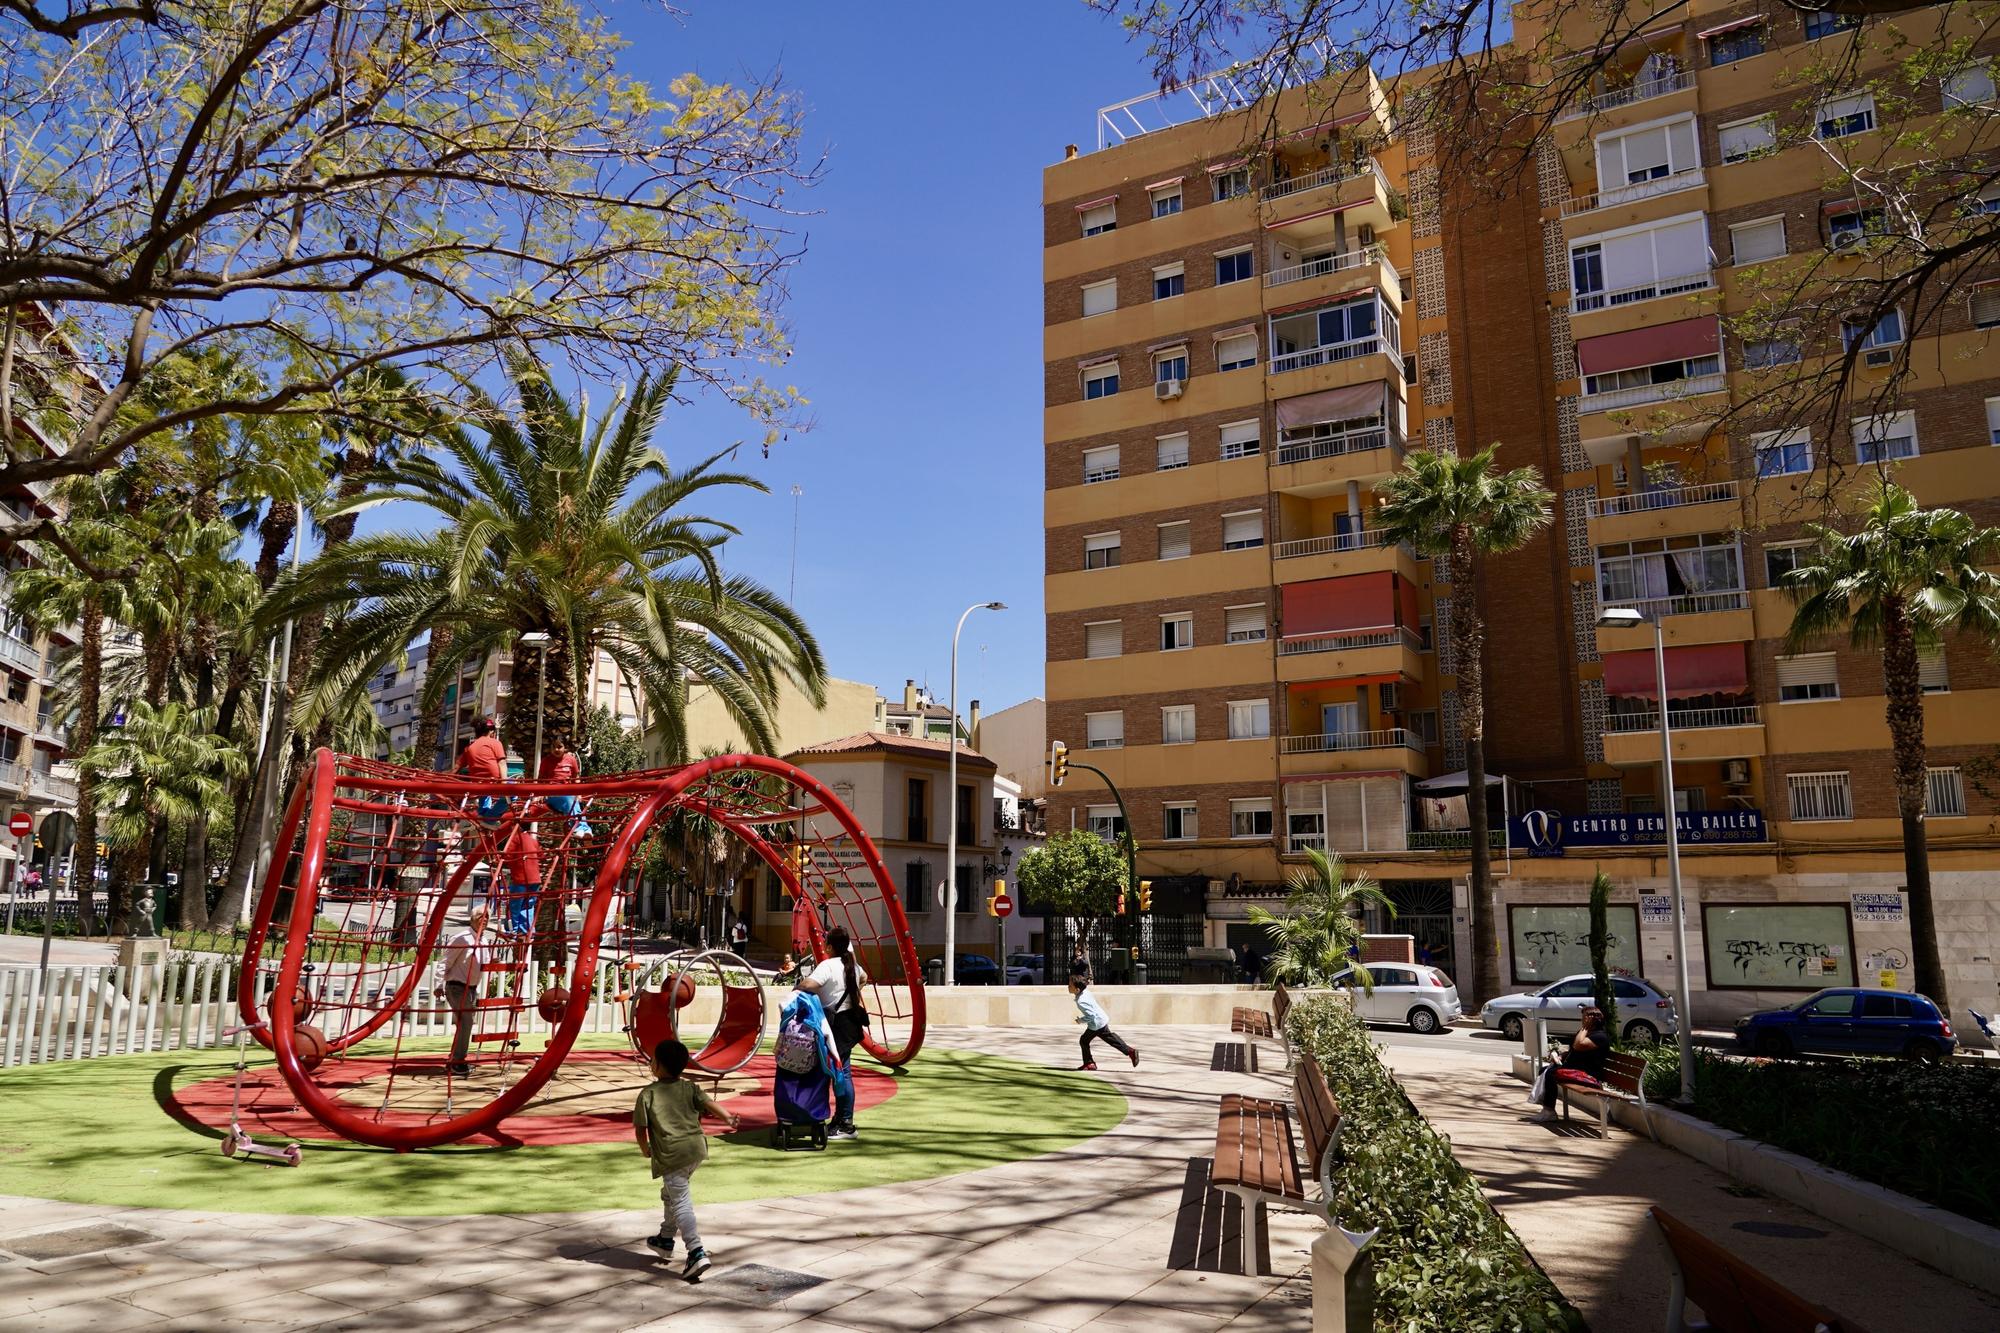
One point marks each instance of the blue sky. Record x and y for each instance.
(916, 316)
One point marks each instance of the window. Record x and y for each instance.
(1231, 184)
(1586, 275)
(1180, 821)
(1885, 438)
(1244, 624)
(1839, 117)
(1808, 678)
(967, 833)
(1240, 440)
(1650, 153)
(1819, 796)
(1176, 540)
(1100, 550)
(1236, 352)
(1099, 218)
(918, 791)
(1823, 23)
(1986, 305)
(1971, 86)
(1932, 677)
(1986, 201)
(917, 886)
(1993, 420)
(1249, 719)
(1103, 638)
(1104, 731)
(1242, 531)
(1849, 227)
(1177, 725)
(1640, 263)
(1170, 367)
(1665, 372)
(1170, 280)
(1765, 353)
(1166, 199)
(1742, 140)
(1781, 559)
(1726, 48)
(1100, 464)
(1884, 332)
(1678, 575)
(1754, 242)
(1100, 298)
(1944, 793)
(1236, 266)
(1783, 453)
(1100, 381)
(1250, 818)
(1884, 1006)
(1172, 453)
(1423, 724)
(1176, 632)
(1104, 821)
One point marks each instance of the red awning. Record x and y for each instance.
(1357, 400)
(1093, 203)
(1708, 668)
(1719, 29)
(1329, 606)
(1406, 597)
(1677, 341)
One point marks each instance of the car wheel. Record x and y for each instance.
(1641, 1033)
(1774, 1045)
(1511, 1027)
(1923, 1052)
(1423, 1022)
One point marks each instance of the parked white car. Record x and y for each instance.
(1644, 1011)
(1410, 993)
(1024, 969)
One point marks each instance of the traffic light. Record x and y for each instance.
(1058, 763)
(1145, 895)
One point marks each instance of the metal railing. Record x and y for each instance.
(55, 786)
(1392, 738)
(1332, 352)
(1639, 502)
(1625, 194)
(1630, 93)
(1687, 604)
(1319, 268)
(1339, 541)
(1685, 719)
(1300, 843)
(1640, 394)
(1581, 302)
(13, 775)
(1453, 840)
(23, 655)
(1333, 446)
(1386, 637)
(1312, 180)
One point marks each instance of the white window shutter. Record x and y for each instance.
(1100, 298)
(1103, 639)
(1812, 669)
(1931, 672)
(1754, 242)
(1176, 540)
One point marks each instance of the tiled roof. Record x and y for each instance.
(882, 743)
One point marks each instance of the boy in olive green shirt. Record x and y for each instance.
(667, 1122)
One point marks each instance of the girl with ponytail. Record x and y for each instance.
(837, 981)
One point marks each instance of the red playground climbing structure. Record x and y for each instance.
(376, 869)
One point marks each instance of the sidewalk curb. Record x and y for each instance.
(1958, 1246)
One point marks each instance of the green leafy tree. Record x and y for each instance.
(1600, 950)
(608, 747)
(1318, 935)
(1462, 511)
(1903, 581)
(1075, 874)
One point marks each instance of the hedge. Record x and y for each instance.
(1444, 1260)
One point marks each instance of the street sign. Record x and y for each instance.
(21, 824)
(1002, 905)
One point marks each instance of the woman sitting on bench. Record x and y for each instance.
(1585, 1058)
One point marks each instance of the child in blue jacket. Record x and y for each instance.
(1096, 1023)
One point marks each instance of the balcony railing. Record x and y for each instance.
(1393, 738)
(1625, 194)
(56, 787)
(1640, 502)
(22, 655)
(1393, 636)
(1301, 843)
(1333, 446)
(1312, 180)
(1339, 541)
(1688, 604)
(14, 776)
(1640, 394)
(1319, 268)
(1582, 302)
(1322, 356)
(1630, 93)
(1685, 719)
(1453, 840)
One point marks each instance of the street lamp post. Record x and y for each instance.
(951, 806)
(539, 641)
(1625, 617)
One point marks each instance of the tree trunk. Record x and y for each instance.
(1468, 634)
(558, 697)
(427, 718)
(1905, 706)
(89, 701)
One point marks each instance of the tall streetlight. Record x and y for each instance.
(1625, 617)
(951, 807)
(539, 641)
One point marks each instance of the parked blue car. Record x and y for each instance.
(1842, 1021)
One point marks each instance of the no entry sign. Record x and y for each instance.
(1003, 905)
(21, 824)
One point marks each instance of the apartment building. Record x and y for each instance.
(1251, 315)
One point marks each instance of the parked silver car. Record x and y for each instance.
(1644, 1012)
(1411, 993)
(1024, 969)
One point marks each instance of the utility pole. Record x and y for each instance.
(792, 589)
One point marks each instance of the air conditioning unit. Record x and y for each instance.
(1392, 697)
(1736, 772)
(1166, 389)
(1879, 357)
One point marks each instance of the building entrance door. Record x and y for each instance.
(1423, 910)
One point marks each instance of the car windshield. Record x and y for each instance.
(1796, 1005)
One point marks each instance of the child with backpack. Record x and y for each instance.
(667, 1121)
(1096, 1023)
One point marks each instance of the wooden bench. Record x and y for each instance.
(1251, 1023)
(1624, 1076)
(1735, 1297)
(1257, 1151)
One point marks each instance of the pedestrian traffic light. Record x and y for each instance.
(1145, 895)
(1058, 763)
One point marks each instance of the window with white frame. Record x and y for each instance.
(1177, 724)
(1839, 117)
(1100, 464)
(1754, 242)
(1781, 558)
(1176, 540)
(1932, 675)
(1944, 793)
(1104, 821)
(1241, 439)
(1882, 439)
(1100, 298)
(1101, 550)
(1100, 380)
(1245, 624)
(1993, 420)
(1234, 266)
(1100, 218)
(1242, 531)
(1645, 153)
(1664, 372)
(1179, 821)
(1236, 351)
(1781, 349)
(1807, 678)
(1701, 572)
(1816, 796)
(1104, 731)
(1739, 43)
(1169, 280)
(1640, 263)
(1173, 452)
(1166, 199)
(1987, 200)
(1423, 724)
(1103, 638)
(1741, 140)
(1825, 22)
(1249, 719)
(1170, 366)
(1986, 305)
(1887, 331)
(1250, 817)
(1971, 86)
(1231, 184)
(1176, 631)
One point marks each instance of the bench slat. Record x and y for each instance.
(1736, 1297)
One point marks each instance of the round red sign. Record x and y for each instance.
(22, 824)
(1003, 905)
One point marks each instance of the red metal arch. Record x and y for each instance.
(369, 828)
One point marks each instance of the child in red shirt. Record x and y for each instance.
(524, 871)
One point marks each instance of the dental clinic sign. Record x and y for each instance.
(1550, 832)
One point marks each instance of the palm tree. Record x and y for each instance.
(1906, 578)
(1319, 933)
(1461, 510)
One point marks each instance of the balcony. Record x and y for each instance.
(1347, 640)
(13, 777)
(1340, 541)
(1389, 651)
(1677, 511)
(1580, 204)
(1734, 732)
(1308, 357)
(1585, 302)
(1340, 554)
(55, 787)
(18, 654)
(1352, 752)
(1690, 619)
(1310, 464)
(1629, 94)
(1320, 268)
(1454, 840)
(1646, 501)
(1640, 395)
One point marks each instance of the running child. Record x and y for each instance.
(667, 1122)
(1096, 1023)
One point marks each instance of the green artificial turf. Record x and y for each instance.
(94, 1131)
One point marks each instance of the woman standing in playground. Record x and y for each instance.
(837, 981)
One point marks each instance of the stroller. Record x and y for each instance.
(808, 1067)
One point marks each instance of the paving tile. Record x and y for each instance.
(440, 1312)
(102, 1315)
(282, 1310)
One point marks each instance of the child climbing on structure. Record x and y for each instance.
(1096, 1023)
(667, 1122)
